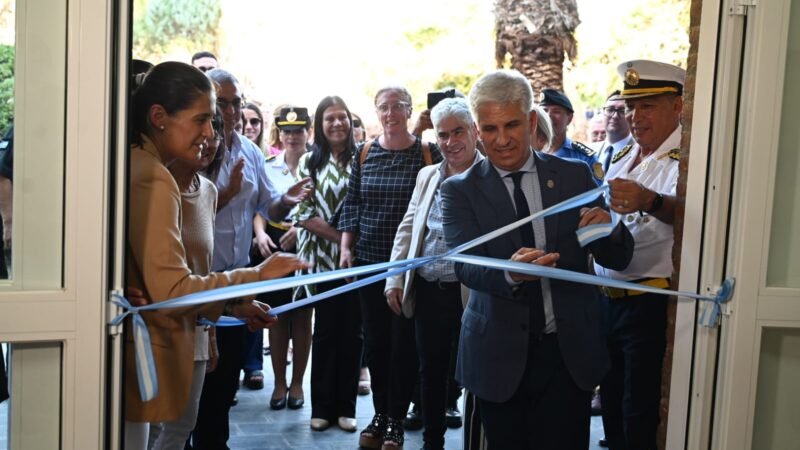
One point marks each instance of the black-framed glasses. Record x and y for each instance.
(609, 111)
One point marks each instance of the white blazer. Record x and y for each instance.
(411, 234)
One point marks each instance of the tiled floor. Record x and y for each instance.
(255, 427)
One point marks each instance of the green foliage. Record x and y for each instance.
(461, 81)
(6, 87)
(165, 25)
(649, 29)
(424, 36)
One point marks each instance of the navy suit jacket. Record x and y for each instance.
(493, 347)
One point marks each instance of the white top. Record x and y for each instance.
(652, 254)
(279, 175)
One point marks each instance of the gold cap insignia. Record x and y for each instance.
(291, 116)
(551, 184)
(632, 77)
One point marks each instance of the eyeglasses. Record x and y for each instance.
(609, 111)
(394, 107)
(236, 103)
(255, 121)
(356, 123)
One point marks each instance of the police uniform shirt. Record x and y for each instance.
(278, 172)
(603, 153)
(576, 150)
(652, 255)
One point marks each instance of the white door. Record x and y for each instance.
(746, 377)
(53, 308)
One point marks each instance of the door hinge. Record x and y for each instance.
(740, 7)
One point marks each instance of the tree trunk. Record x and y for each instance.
(537, 35)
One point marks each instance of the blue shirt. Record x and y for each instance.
(233, 232)
(570, 151)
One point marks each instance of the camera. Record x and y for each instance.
(435, 97)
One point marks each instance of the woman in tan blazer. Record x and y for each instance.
(172, 112)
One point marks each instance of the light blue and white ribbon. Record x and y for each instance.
(146, 370)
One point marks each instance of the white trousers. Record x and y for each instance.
(168, 435)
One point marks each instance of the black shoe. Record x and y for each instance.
(413, 420)
(235, 400)
(296, 403)
(452, 418)
(603, 443)
(278, 403)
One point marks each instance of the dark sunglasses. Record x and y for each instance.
(237, 103)
(254, 121)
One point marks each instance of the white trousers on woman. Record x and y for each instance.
(168, 435)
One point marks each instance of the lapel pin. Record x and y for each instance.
(551, 184)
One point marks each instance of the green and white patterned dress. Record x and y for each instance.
(331, 189)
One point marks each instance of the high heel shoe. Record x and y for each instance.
(394, 436)
(296, 403)
(280, 402)
(372, 436)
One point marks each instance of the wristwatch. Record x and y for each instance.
(657, 202)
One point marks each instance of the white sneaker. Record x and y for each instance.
(348, 423)
(319, 424)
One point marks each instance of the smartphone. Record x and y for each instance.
(435, 97)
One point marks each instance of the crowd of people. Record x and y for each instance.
(218, 196)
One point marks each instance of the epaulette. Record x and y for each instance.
(675, 154)
(621, 154)
(582, 148)
(270, 158)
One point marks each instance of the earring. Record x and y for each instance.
(162, 128)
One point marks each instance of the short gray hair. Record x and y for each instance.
(503, 86)
(543, 125)
(221, 76)
(452, 107)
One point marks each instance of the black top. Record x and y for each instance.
(378, 197)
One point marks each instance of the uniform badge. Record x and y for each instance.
(291, 116)
(632, 77)
(597, 170)
(675, 154)
(540, 97)
(551, 184)
(621, 154)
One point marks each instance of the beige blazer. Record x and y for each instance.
(411, 235)
(157, 264)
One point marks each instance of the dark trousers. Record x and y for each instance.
(254, 351)
(336, 355)
(3, 378)
(547, 412)
(631, 391)
(437, 319)
(212, 429)
(391, 353)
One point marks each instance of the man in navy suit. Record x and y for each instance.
(531, 349)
